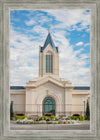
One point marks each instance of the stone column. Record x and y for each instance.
(68, 101)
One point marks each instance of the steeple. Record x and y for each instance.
(49, 57)
(49, 40)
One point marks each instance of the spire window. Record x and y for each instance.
(49, 63)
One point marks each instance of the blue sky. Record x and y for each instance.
(70, 30)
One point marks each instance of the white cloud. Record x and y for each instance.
(70, 18)
(79, 44)
(85, 56)
(30, 22)
(72, 68)
(23, 58)
(39, 29)
(87, 44)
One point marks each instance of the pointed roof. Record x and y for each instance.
(49, 41)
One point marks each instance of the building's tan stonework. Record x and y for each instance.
(68, 99)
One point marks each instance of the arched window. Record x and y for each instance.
(49, 63)
(49, 105)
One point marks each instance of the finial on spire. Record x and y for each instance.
(49, 29)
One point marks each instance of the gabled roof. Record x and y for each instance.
(49, 41)
(43, 80)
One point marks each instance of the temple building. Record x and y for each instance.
(48, 93)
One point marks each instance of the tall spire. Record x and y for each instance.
(49, 41)
(49, 29)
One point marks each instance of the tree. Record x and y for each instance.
(11, 109)
(87, 111)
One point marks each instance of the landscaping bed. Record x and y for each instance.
(49, 120)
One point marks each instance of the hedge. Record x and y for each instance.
(81, 118)
(19, 117)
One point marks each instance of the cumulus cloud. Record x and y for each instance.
(24, 58)
(79, 44)
(70, 19)
(30, 22)
(87, 44)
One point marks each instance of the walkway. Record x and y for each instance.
(85, 125)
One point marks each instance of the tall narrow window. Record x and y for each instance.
(49, 64)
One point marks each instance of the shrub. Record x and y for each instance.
(53, 117)
(11, 110)
(87, 111)
(81, 118)
(74, 117)
(23, 117)
(19, 117)
(11, 118)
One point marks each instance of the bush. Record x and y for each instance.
(74, 117)
(11, 118)
(11, 110)
(87, 111)
(81, 118)
(19, 117)
(53, 117)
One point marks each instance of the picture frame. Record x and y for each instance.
(5, 132)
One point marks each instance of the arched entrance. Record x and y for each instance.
(49, 105)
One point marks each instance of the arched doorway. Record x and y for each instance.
(49, 105)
